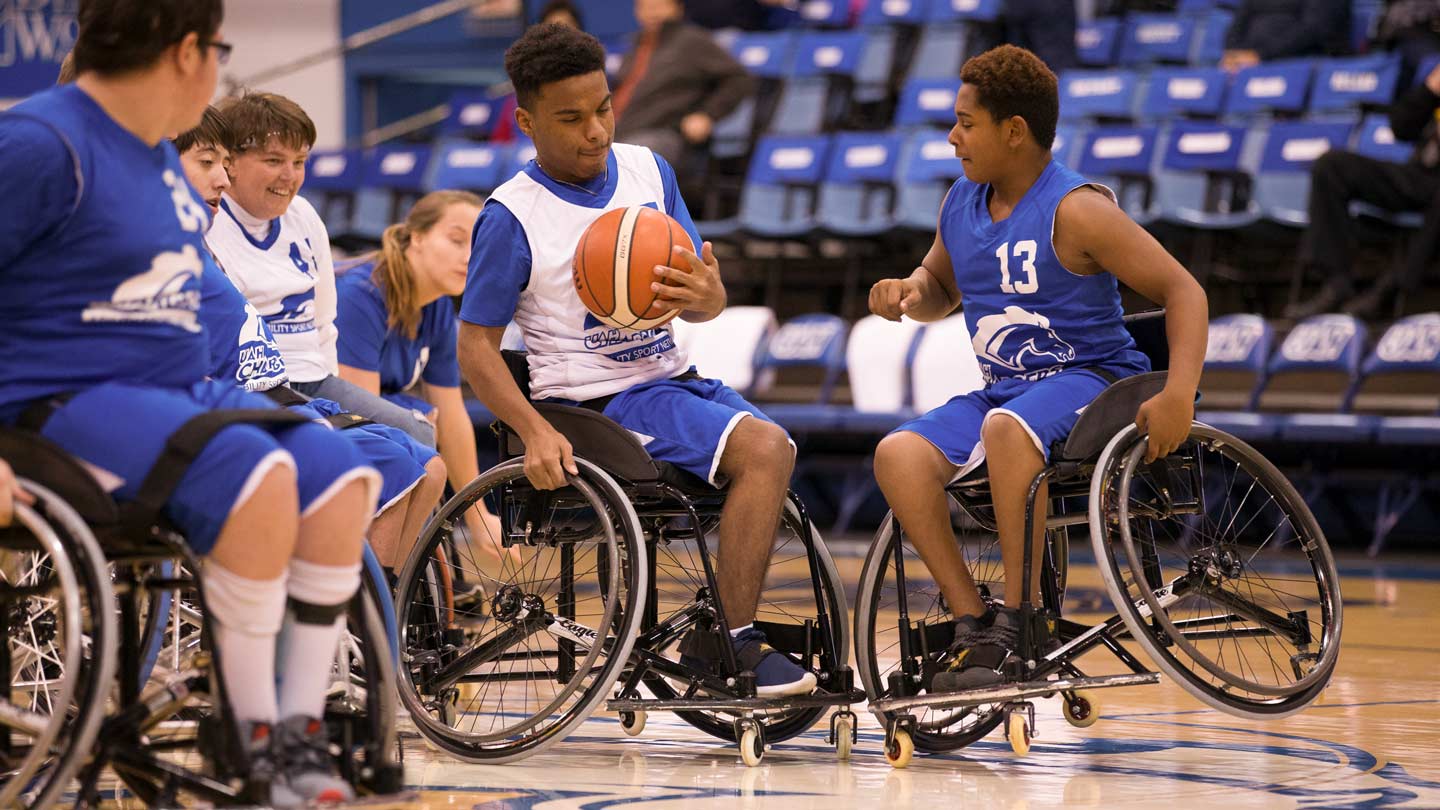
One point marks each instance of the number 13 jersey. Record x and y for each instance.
(1030, 317)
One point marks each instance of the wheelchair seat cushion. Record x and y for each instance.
(1108, 414)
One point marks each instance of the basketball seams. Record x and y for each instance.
(632, 229)
(624, 312)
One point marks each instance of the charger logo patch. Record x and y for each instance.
(261, 365)
(1022, 343)
(169, 292)
(296, 315)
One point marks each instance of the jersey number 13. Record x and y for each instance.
(1025, 254)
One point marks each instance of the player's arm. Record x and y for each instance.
(1092, 234)
(927, 294)
(548, 455)
(359, 377)
(696, 290)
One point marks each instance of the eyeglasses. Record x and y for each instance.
(222, 51)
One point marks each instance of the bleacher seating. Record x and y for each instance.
(1201, 183)
(1270, 88)
(927, 103)
(927, 169)
(470, 166)
(728, 346)
(1282, 186)
(1097, 94)
(1175, 92)
(857, 194)
(1121, 158)
(1157, 38)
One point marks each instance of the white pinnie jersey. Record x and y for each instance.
(572, 354)
(289, 277)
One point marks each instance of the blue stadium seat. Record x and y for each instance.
(1311, 377)
(517, 157)
(765, 55)
(1376, 140)
(1097, 42)
(1345, 84)
(872, 73)
(894, 12)
(391, 178)
(941, 11)
(857, 194)
(1282, 186)
(1066, 147)
(1201, 183)
(1096, 94)
(1157, 38)
(1236, 358)
(332, 176)
(940, 52)
(1272, 87)
(615, 50)
(1176, 92)
(469, 166)
(825, 13)
(816, 94)
(928, 167)
(1121, 157)
(1210, 39)
(778, 200)
(801, 366)
(730, 137)
(472, 115)
(927, 102)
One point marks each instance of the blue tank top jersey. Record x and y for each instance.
(1029, 317)
(242, 349)
(101, 255)
(368, 343)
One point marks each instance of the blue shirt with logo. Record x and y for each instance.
(367, 342)
(101, 254)
(242, 349)
(1030, 317)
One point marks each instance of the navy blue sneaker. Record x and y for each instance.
(775, 674)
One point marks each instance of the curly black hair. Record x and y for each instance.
(550, 53)
(1010, 81)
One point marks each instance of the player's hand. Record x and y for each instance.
(1232, 61)
(548, 457)
(892, 297)
(10, 492)
(698, 290)
(1167, 417)
(696, 127)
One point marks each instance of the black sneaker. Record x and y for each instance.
(776, 675)
(978, 655)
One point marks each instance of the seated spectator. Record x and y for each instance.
(1266, 30)
(1044, 27)
(1410, 28)
(751, 15)
(563, 12)
(675, 83)
(1339, 177)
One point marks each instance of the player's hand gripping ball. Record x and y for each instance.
(615, 266)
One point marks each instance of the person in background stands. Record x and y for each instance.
(1266, 30)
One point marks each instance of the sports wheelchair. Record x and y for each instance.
(1216, 568)
(109, 664)
(600, 586)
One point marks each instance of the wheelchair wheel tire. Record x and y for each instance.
(1211, 556)
(512, 702)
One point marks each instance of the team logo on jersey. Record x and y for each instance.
(169, 293)
(192, 215)
(650, 341)
(261, 365)
(1022, 343)
(301, 262)
(296, 315)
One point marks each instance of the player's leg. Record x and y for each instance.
(1006, 438)
(757, 460)
(912, 474)
(337, 496)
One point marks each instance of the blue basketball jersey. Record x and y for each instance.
(101, 254)
(367, 342)
(242, 349)
(1029, 317)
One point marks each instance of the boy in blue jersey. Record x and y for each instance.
(520, 269)
(1033, 253)
(101, 255)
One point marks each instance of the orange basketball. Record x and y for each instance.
(615, 265)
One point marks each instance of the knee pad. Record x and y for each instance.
(318, 594)
(253, 607)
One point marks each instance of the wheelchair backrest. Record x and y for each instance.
(1148, 330)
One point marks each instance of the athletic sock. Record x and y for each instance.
(318, 597)
(246, 615)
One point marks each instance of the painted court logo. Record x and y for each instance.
(1022, 343)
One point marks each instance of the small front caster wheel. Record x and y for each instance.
(632, 723)
(900, 749)
(1081, 709)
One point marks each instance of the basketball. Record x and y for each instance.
(615, 265)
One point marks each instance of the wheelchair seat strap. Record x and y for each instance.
(285, 397)
(599, 404)
(181, 450)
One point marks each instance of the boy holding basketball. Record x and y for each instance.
(520, 269)
(1035, 250)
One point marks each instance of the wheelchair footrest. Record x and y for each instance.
(1007, 692)
(757, 704)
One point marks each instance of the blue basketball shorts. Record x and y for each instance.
(1046, 408)
(118, 431)
(400, 459)
(683, 422)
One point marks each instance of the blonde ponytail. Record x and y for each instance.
(393, 273)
